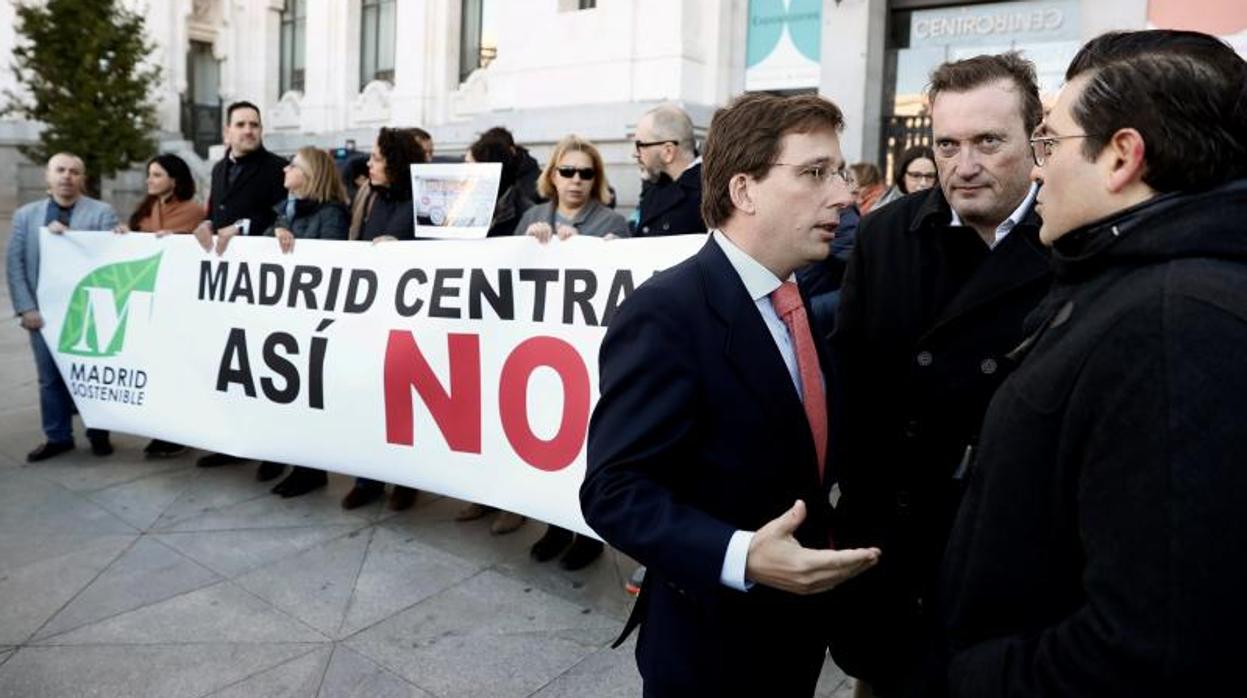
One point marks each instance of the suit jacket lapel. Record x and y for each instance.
(750, 348)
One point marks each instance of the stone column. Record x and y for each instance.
(852, 71)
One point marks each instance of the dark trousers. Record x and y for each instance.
(56, 407)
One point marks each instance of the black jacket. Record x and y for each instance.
(674, 208)
(1099, 551)
(391, 214)
(927, 314)
(313, 220)
(252, 195)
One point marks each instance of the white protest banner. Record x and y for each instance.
(454, 200)
(467, 368)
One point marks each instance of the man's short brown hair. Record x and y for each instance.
(972, 73)
(744, 138)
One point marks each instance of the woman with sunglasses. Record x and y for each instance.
(574, 181)
(915, 171)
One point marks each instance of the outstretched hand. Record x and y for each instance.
(777, 560)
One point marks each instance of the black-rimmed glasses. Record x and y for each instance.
(647, 144)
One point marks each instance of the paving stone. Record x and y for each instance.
(314, 586)
(298, 678)
(232, 553)
(80, 471)
(604, 674)
(600, 585)
(147, 573)
(217, 488)
(223, 613)
(153, 671)
(269, 511)
(398, 572)
(141, 502)
(5, 654)
(489, 635)
(351, 675)
(30, 504)
(434, 524)
(31, 594)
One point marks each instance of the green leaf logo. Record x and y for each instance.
(106, 303)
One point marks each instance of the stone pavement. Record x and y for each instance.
(121, 576)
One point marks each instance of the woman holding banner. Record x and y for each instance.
(314, 209)
(169, 207)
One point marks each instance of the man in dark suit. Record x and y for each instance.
(246, 183)
(246, 188)
(668, 160)
(707, 449)
(933, 302)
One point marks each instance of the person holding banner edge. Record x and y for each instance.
(707, 449)
(66, 208)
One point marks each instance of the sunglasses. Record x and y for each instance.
(586, 173)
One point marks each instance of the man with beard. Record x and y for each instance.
(671, 169)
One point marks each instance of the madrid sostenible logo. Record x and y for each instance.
(110, 306)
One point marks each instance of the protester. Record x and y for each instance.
(1099, 549)
(574, 181)
(527, 171)
(170, 205)
(915, 171)
(314, 209)
(932, 303)
(246, 185)
(66, 208)
(713, 419)
(497, 145)
(869, 181)
(385, 213)
(667, 157)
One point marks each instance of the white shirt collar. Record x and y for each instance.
(759, 281)
(1008, 224)
(696, 161)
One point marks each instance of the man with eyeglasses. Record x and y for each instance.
(707, 450)
(933, 301)
(671, 169)
(1099, 551)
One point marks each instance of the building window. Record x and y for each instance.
(293, 42)
(588, 4)
(478, 37)
(376, 41)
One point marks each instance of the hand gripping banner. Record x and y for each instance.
(466, 368)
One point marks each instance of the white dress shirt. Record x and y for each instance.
(759, 283)
(1007, 225)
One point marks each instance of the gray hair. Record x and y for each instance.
(673, 123)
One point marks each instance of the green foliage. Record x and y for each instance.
(80, 62)
(121, 278)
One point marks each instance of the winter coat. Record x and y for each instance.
(1099, 550)
(314, 220)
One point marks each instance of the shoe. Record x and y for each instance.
(102, 446)
(360, 496)
(269, 470)
(583, 551)
(48, 449)
(506, 522)
(551, 544)
(633, 585)
(163, 449)
(402, 498)
(300, 481)
(216, 460)
(472, 511)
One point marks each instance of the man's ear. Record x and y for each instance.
(740, 189)
(1126, 152)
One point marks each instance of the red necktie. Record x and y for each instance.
(787, 303)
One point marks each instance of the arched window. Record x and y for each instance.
(376, 41)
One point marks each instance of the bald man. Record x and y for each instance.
(65, 208)
(667, 157)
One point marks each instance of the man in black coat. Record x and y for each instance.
(668, 160)
(246, 186)
(1099, 550)
(246, 183)
(707, 450)
(934, 299)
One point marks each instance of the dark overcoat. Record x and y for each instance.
(927, 316)
(673, 208)
(1099, 550)
(253, 193)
